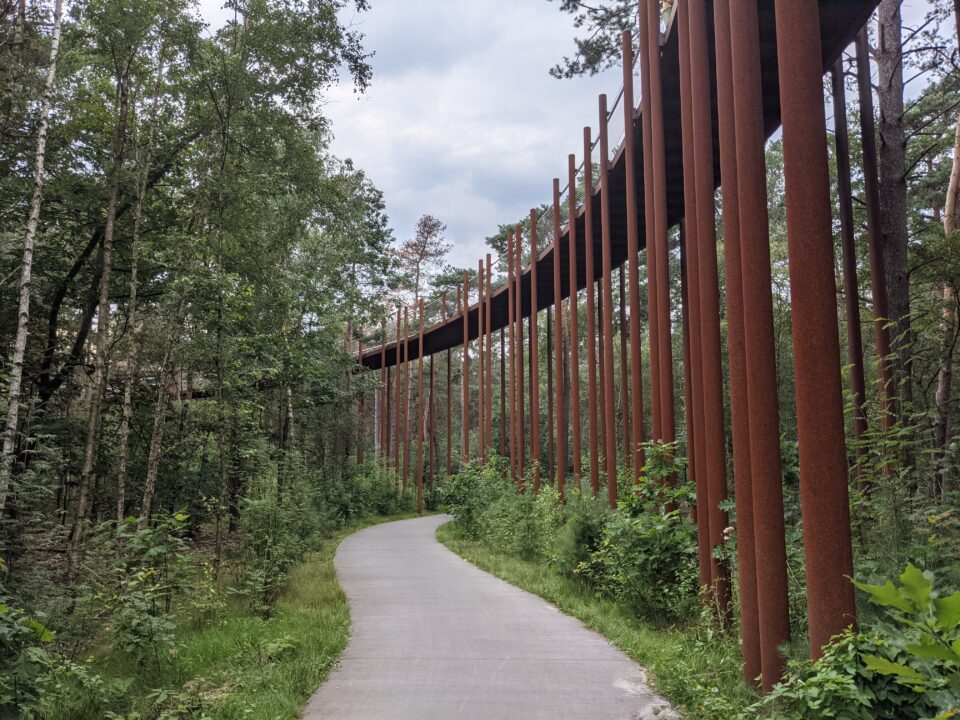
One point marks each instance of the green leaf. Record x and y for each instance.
(887, 667)
(887, 595)
(948, 611)
(933, 651)
(916, 586)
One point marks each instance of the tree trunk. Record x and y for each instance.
(103, 328)
(893, 189)
(156, 439)
(26, 267)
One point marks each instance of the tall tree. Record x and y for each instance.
(420, 256)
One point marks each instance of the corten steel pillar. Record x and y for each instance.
(602, 382)
(534, 358)
(465, 380)
(739, 418)
(551, 428)
(406, 400)
(591, 311)
(481, 368)
(851, 288)
(759, 346)
(432, 449)
(511, 317)
(398, 415)
(878, 276)
(449, 418)
(560, 462)
(361, 414)
(693, 274)
(662, 255)
(610, 425)
(387, 409)
(687, 374)
(503, 396)
(624, 372)
(518, 307)
(816, 347)
(420, 414)
(646, 40)
(712, 369)
(633, 261)
(489, 356)
(574, 313)
(384, 392)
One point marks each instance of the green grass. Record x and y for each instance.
(696, 667)
(267, 669)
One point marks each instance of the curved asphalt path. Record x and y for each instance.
(434, 638)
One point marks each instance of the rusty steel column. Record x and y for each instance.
(591, 311)
(396, 411)
(610, 435)
(465, 380)
(739, 417)
(649, 43)
(481, 367)
(521, 393)
(511, 317)
(489, 356)
(361, 410)
(449, 418)
(503, 396)
(693, 274)
(711, 349)
(384, 393)
(534, 358)
(561, 459)
(633, 261)
(878, 277)
(759, 343)
(851, 288)
(624, 381)
(664, 343)
(816, 347)
(574, 319)
(406, 399)
(431, 427)
(420, 415)
(550, 397)
(601, 377)
(687, 373)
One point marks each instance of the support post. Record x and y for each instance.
(574, 315)
(489, 357)
(610, 434)
(511, 318)
(465, 380)
(406, 399)
(560, 462)
(481, 367)
(521, 393)
(420, 414)
(591, 311)
(534, 358)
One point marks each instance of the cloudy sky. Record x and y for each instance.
(462, 120)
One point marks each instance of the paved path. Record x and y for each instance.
(434, 638)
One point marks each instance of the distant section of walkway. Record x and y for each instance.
(434, 638)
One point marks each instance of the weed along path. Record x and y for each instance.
(434, 638)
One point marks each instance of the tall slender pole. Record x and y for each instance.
(610, 435)
(574, 315)
(591, 311)
(384, 393)
(551, 426)
(431, 428)
(693, 274)
(481, 367)
(816, 347)
(518, 307)
(503, 395)
(406, 399)
(739, 417)
(560, 462)
(489, 356)
(624, 371)
(397, 413)
(361, 414)
(759, 341)
(534, 358)
(851, 289)
(465, 380)
(633, 262)
(449, 417)
(511, 319)
(421, 417)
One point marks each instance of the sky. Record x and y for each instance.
(462, 119)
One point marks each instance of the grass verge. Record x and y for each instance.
(696, 667)
(266, 669)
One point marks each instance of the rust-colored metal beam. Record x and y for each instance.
(560, 462)
(511, 307)
(816, 347)
(610, 434)
(420, 416)
(503, 395)
(759, 342)
(406, 399)
(633, 262)
(397, 412)
(624, 371)
(712, 369)
(661, 227)
(848, 261)
(481, 368)
(361, 414)
(534, 359)
(574, 313)
(465, 379)
(382, 449)
(693, 274)
(551, 433)
(449, 416)
(739, 416)
(489, 357)
(591, 315)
